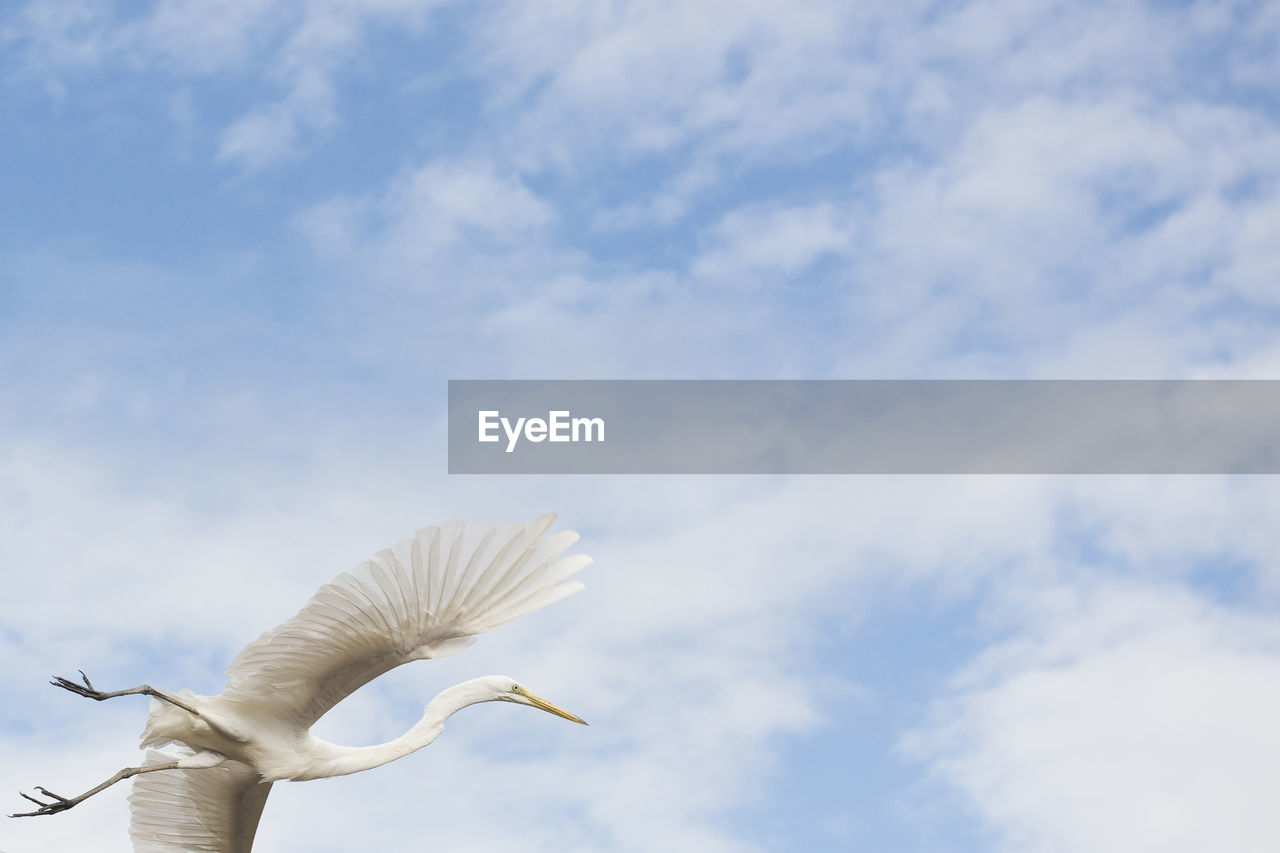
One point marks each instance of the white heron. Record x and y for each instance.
(427, 598)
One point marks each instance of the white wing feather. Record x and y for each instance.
(214, 809)
(428, 598)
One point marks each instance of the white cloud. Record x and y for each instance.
(433, 220)
(1122, 718)
(261, 138)
(211, 37)
(296, 48)
(747, 245)
(58, 36)
(576, 87)
(1100, 230)
(326, 37)
(1054, 231)
(583, 87)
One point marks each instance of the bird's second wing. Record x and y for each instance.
(214, 809)
(425, 599)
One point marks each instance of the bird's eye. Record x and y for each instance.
(515, 688)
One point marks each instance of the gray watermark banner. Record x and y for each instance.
(864, 427)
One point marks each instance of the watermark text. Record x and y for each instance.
(559, 425)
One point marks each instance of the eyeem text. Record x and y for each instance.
(558, 426)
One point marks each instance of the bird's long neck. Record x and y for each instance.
(329, 759)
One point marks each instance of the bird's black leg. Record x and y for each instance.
(90, 692)
(54, 803)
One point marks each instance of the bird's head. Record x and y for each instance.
(509, 690)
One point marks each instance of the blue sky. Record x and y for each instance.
(244, 244)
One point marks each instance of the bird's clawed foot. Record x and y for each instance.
(56, 803)
(87, 689)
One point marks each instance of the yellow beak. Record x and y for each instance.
(543, 704)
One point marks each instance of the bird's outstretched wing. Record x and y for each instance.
(425, 599)
(214, 809)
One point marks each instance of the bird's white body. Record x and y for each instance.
(427, 598)
(226, 731)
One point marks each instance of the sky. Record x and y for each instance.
(244, 245)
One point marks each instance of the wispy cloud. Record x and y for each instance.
(1121, 717)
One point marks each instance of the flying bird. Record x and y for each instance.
(427, 598)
